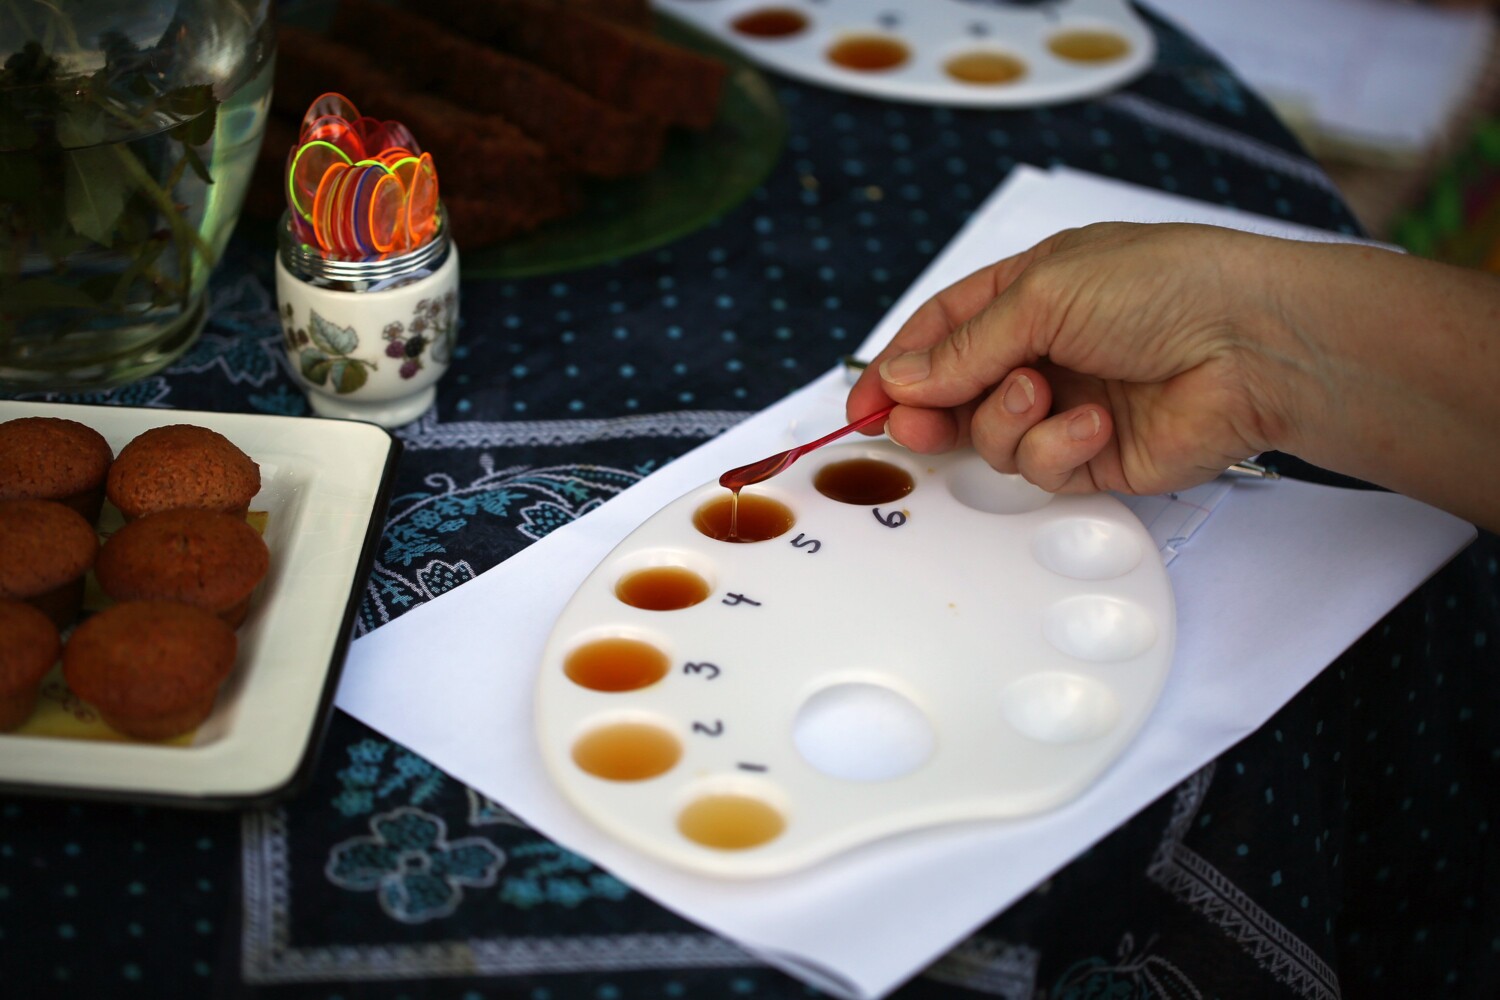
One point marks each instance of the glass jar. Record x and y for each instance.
(128, 133)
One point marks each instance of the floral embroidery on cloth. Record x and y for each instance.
(416, 873)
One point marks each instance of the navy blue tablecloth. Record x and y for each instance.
(1345, 849)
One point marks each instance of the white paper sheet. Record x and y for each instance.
(1280, 579)
(1377, 74)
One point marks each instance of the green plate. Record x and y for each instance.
(701, 176)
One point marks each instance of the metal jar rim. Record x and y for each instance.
(320, 265)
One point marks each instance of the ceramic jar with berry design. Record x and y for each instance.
(368, 338)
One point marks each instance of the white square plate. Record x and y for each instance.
(325, 486)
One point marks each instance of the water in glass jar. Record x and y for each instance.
(122, 171)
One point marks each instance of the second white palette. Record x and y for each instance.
(971, 648)
(981, 53)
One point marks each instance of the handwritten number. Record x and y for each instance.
(894, 519)
(717, 729)
(709, 670)
(803, 542)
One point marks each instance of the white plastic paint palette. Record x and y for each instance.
(973, 649)
(985, 53)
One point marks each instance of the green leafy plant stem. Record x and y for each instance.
(186, 235)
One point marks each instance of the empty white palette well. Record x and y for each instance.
(961, 646)
(981, 53)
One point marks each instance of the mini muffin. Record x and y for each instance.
(49, 458)
(45, 551)
(151, 668)
(182, 465)
(29, 644)
(199, 557)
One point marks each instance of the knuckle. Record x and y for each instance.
(961, 344)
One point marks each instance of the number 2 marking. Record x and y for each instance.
(717, 729)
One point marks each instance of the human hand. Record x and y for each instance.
(1116, 357)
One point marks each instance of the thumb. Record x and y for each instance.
(975, 356)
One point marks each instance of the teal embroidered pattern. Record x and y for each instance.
(531, 502)
(416, 873)
(366, 780)
(547, 875)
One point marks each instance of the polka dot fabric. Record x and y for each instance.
(1345, 849)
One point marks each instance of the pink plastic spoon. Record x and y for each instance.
(757, 472)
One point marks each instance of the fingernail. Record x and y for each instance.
(1019, 395)
(904, 369)
(1084, 426)
(888, 433)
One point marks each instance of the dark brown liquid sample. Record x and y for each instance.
(730, 822)
(863, 481)
(1088, 46)
(627, 751)
(867, 53)
(662, 588)
(757, 518)
(615, 665)
(770, 22)
(985, 67)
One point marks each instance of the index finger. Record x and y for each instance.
(935, 320)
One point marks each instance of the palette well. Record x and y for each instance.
(982, 53)
(914, 641)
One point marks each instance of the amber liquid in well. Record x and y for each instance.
(867, 53)
(743, 517)
(616, 664)
(1088, 46)
(662, 588)
(627, 751)
(863, 481)
(985, 67)
(730, 822)
(770, 22)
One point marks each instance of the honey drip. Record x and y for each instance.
(730, 822)
(749, 517)
(662, 588)
(616, 664)
(863, 481)
(627, 751)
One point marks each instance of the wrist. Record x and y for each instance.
(1284, 366)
